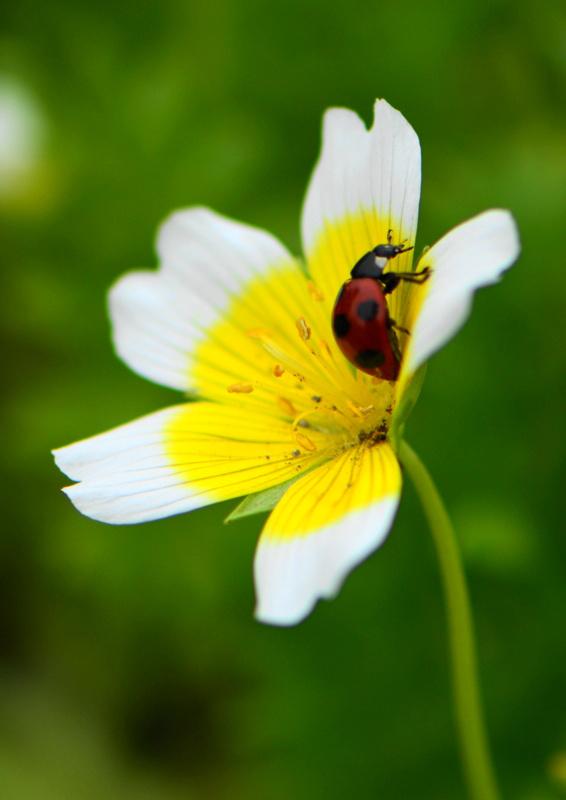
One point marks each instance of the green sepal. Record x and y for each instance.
(259, 502)
(408, 402)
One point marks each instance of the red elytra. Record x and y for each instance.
(364, 330)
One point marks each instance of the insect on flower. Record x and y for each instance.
(363, 328)
(280, 413)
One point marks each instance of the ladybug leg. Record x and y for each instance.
(392, 324)
(410, 277)
(424, 273)
(394, 342)
(390, 281)
(414, 277)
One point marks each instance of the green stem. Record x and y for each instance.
(473, 740)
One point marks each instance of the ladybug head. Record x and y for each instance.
(373, 263)
(390, 250)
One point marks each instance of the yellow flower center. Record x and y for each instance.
(317, 395)
(274, 351)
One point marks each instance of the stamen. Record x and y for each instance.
(305, 442)
(303, 328)
(315, 292)
(325, 361)
(324, 378)
(258, 333)
(240, 388)
(287, 406)
(325, 350)
(300, 420)
(316, 391)
(355, 409)
(273, 387)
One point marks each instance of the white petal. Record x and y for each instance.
(179, 459)
(125, 473)
(470, 256)
(368, 181)
(160, 317)
(324, 526)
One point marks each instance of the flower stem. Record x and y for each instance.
(465, 686)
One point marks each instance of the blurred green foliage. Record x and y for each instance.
(130, 665)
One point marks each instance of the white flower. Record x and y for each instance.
(232, 318)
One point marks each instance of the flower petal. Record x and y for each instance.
(258, 330)
(324, 526)
(470, 256)
(206, 261)
(180, 459)
(365, 183)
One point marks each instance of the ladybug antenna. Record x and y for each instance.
(400, 248)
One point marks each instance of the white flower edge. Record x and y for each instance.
(324, 525)
(159, 317)
(176, 460)
(292, 575)
(376, 172)
(124, 475)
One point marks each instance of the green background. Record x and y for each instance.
(130, 665)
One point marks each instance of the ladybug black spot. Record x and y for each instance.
(341, 325)
(368, 359)
(367, 310)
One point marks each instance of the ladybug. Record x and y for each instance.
(363, 329)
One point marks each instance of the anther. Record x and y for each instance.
(278, 370)
(240, 388)
(325, 350)
(355, 409)
(287, 406)
(305, 442)
(315, 292)
(303, 328)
